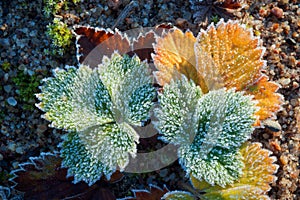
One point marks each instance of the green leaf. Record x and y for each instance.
(110, 144)
(178, 195)
(209, 129)
(254, 182)
(178, 103)
(100, 105)
(75, 99)
(129, 83)
(80, 163)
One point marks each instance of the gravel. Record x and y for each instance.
(23, 41)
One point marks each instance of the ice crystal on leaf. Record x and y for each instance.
(75, 99)
(208, 127)
(130, 87)
(225, 55)
(100, 105)
(79, 163)
(253, 184)
(178, 195)
(178, 103)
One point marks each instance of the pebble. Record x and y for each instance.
(163, 173)
(285, 81)
(272, 125)
(11, 146)
(283, 159)
(11, 101)
(277, 12)
(4, 42)
(20, 150)
(1, 157)
(7, 88)
(15, 165)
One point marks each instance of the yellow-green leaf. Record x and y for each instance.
(254, 183)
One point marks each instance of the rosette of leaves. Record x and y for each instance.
(98, 107)
(258, 173)
(209, 129)
(226, 55)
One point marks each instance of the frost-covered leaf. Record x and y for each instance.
(43, 178)
(209, 129)
(75, 99)
(178, 195)
(99, 105)
(174, 55)
(253, 184)
(236, 61)
(178, 103)
(79, 161)
(220, 170)
(225, 55)
(235, 53)
(110, 144)
(154, 193)
(94, 43)
(269, 101)
(129, 83)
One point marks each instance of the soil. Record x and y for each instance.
(23, 53)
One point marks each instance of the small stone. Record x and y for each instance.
(294, 102)
(275, 145)
(7, 88)
(11, 101)
(12, 54)
(19, 150)
(272, 125)
(11, 146)
(15, 165)
(4, 42)
(283, 159)
(114, 4)
(284, 81)
(134, 25)
(41, 128)
(277, 12)
(163, 172)
(1, 157)
(295, 85)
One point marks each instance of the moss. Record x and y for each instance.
(215, 19)
(60, 35)
(6, 66)
(28, 87)
(4, 177)
(52, 7)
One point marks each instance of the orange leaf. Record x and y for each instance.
(174, 56)
(254, 183)
(227, 55)
(268, 101)
(235, 55)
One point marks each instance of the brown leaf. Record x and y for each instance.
(94, 43)
(155, 193)
(43, 178)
